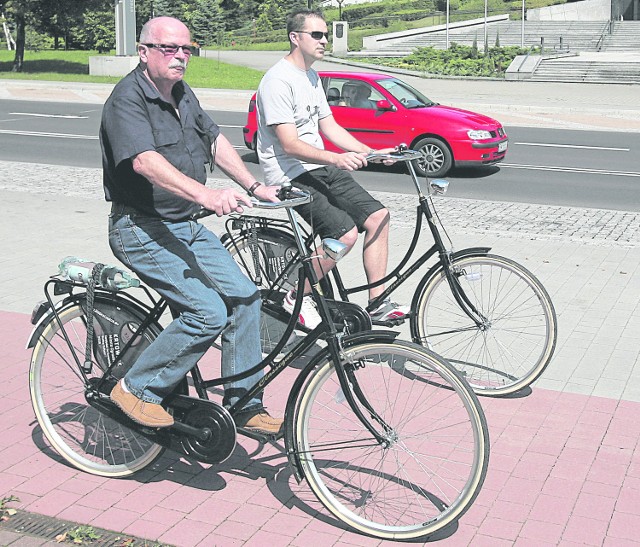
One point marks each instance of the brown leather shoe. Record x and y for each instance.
(142, 412)
(260, 422)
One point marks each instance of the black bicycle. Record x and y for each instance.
(388, 435)
(486, 314)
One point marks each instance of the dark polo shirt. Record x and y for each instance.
(136, 119)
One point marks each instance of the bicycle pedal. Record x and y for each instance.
(389, 322)
(260, 437)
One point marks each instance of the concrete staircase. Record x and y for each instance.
(604, 57)
(557, 35)
(625, 36)
(590, 68)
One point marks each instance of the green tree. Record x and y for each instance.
(56, 18)
(20, 13)
(144, 12)
(238, 13)
(206, 21)
(170, 8)
(97, 30)
(273, 13)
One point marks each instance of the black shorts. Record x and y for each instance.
(339, 202)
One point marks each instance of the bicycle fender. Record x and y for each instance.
(49, 316)
(471, 251)
(74, 299)
(289, 414)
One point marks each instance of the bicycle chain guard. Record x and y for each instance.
(203, 414)
(353, 316)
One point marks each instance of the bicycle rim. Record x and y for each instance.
(515, 344)
(437, 453)
(84, 437)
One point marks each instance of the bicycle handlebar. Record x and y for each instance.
(396, 155)
(289, 197)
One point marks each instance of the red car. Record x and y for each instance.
(383, 111)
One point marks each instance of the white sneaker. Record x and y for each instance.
(309, 316)
(389, 311)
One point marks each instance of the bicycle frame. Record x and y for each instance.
(399, 277)
(394, 279)
(153, 313)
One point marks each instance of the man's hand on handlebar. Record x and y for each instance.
(350, 161)
(389, 156)
(386, 161)
(267, 193)
(225, 201)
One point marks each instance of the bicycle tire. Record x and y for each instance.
(83, 436)
(512, 349)
(437, 457)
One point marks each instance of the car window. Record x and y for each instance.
(404, 93)
(352, 93)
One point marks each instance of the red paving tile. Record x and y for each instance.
(565, 469)
(115, 519)
(544, 532)
(149, 528)
(585, 530)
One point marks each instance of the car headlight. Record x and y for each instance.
(478, 134)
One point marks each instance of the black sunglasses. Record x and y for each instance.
(172, 50)
(316, 34)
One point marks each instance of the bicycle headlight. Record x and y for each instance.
(478, 134)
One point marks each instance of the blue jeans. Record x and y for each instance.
(186, 264)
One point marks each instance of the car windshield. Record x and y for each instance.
(404, 93)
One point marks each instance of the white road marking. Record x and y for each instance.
(50, 135)
(571, 170)
(48, 115)
(70, 136)
(583, 147)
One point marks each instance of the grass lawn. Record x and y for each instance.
(73, 66)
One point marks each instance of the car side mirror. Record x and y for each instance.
(384, 105)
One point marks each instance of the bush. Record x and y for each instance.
(458, 60)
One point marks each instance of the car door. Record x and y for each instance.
(376, 128)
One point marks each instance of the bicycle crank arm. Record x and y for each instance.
(200, 433)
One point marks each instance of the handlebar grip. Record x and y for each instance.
(202, 213)
(285, 189)
(287, 195)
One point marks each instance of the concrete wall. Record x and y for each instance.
(375, 42)
(587, 10)
(110, 65)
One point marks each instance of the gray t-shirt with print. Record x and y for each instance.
(288, 94)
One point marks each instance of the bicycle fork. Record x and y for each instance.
(453, 273)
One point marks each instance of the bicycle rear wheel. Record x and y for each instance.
(435, 457)
(512, 347)
(83, 436)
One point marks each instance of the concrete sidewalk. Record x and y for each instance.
(565, 463)
(565, 460)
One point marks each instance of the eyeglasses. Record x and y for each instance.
(316, 34)
(172, 50)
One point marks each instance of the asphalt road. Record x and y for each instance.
(543, 166)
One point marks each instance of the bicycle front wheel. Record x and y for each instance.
(515, 341)
(434, 457)
(83, 436)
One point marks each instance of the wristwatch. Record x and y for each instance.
(251, 190)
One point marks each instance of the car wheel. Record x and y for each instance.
(436, 158)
